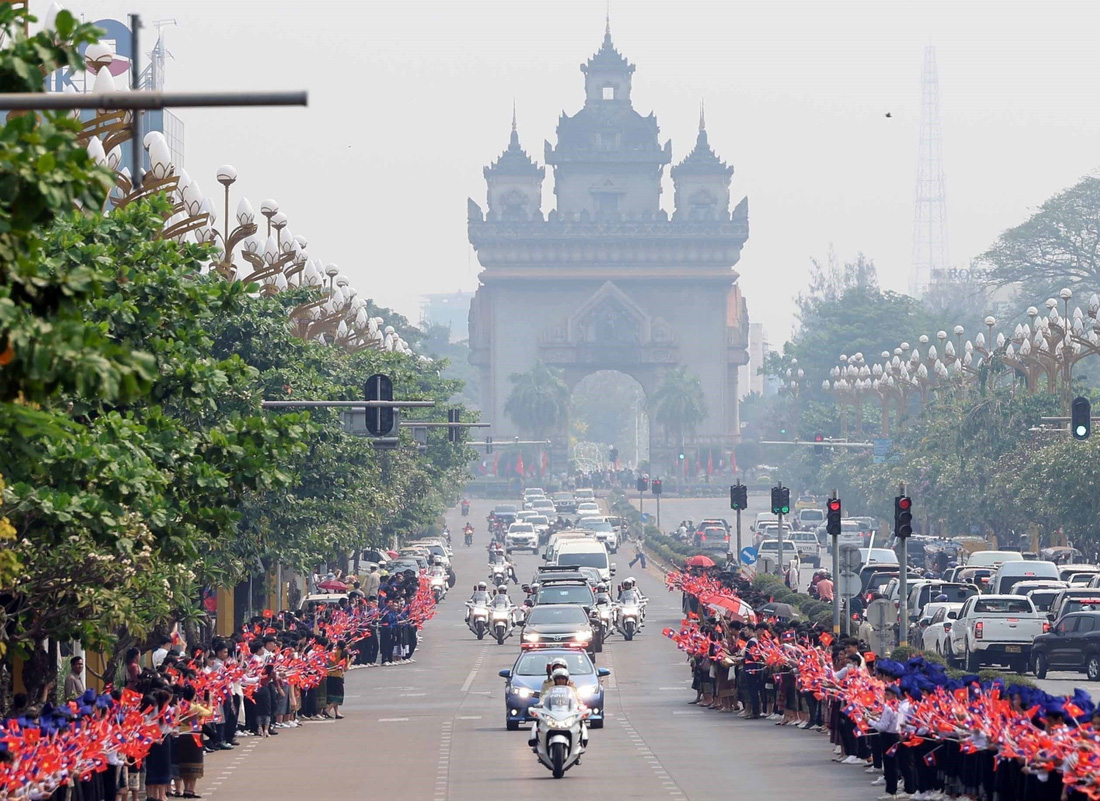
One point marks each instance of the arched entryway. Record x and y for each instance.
(609, 408)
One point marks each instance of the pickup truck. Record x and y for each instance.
(995, 629)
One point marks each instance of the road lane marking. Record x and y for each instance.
(412, 695)
(468, 717)
(392, 720)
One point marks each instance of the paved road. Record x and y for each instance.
(434, 730)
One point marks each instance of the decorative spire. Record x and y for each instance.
(514, 160)
(607, 58)
(702, 159)
(513, 142)
(513, 115)
(702, 118)
(607, 25)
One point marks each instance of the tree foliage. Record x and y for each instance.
(539, 401)
(678, 404)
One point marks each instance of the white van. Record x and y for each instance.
(993, 559)
(1009, 574)
(560, 537)
(586, 553)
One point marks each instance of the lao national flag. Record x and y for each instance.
(519, 464)
(710, 466)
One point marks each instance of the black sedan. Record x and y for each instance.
(558, 625)
(529, 672)
(1073, 643)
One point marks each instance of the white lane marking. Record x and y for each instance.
(412, 695)
(473, 672)
(392, 720)
(468, 717)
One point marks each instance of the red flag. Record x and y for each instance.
(733, 462)
(496, 456)
(710, 466)
(698, 465)
(519, 463)
(545, 463)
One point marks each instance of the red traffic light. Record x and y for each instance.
(834, 505)
(905, 503)
(818, 438)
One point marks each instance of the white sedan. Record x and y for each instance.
(940, 616)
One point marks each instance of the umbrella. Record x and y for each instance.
(699, 561)
(733, 608)
(780, 610)
(332, 584)
(392, 554)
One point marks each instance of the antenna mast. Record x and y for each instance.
(930, 253)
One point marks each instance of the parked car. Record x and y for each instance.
(995, 629)
(1073, 643)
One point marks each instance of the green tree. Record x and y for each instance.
(539, 401)
(1058, 246)
(678, 404)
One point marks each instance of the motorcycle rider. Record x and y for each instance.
(630, 594)
(496, 557)
(502, 601)
(447, 533)
(559, 677)
(602, 595)
(480, 597)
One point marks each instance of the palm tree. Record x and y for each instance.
(679, 405)
(539, 401)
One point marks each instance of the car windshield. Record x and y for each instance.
(554, 615)
(1011, 606)
(533, 663)
(811, 515)
(584, 559)
(1043, 599)
(540, 520)
(773, 545)
(954, 594)
(595, 525)
(1081, 605)
(565, 594)
(505, 510)
(522, 528)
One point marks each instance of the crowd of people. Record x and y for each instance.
(913, 731)
(148, 733)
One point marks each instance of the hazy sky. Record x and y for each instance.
(410, 99)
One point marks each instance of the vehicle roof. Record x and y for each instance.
(587, 544)
(774, 544)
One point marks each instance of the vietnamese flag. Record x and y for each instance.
(519, 463)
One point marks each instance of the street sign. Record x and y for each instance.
(849, 585)
(850, 560)
(881, 449)
(645, 517)
(881, 614)
(748, 556)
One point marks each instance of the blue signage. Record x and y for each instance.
(748, 556)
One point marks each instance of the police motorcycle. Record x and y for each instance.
(440, 581)
(477, 610)
(603, 613)
(502, 615)
(560, 733)
(629, 610)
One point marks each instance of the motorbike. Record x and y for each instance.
(603, 618)
(560, 730)
(502, 624)
(628, 619)
(465, 508)
(439, 588)
(498, 574)
(469, 537)
(478, 620)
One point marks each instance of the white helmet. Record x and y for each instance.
(559, 673)
(502, 590)
(481, 585)
(628, 584)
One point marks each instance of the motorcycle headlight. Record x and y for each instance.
(500, 615)
(565, 723)
(531, 637)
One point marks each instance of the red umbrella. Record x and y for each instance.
(733, 608)
(332, 584)
(699, 561)
(392, 554)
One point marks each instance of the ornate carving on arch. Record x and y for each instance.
(661, 332)
(609, 317)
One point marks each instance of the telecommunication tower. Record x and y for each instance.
(930, 253)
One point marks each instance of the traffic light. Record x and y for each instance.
(655, 486)
(613, 455)
(1081, 418)
(643, 483)
(380, 420)
(739, 497)
(488, 444)
(781, 501)
(819, 448)
(832, 517)
(903, 516)
(453, 431)
(681, 456)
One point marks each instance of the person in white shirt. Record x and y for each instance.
(161, 651)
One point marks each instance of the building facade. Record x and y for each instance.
(607, 280)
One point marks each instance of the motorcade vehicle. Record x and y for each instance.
(992, 559)
(978, 576)
(544, 506)
(560, 733)
(465, 508)
(1009, 574)
(940, 616)
(468, 536)
(809, 549)
(713, 522)
(769, 549)
(502, 620)
(852, 532)
(584, 494)
(588, 508)
(808, 519)
(437, 550)
(530, 493)
(437, 580)
(1065, 598)
(525, 678)
(578, 593)
(321, 598)
(403, 563)
(602, 530)
(770, 531)
(521, 537)
(564, 502)
(504, 514)
(555, 624)
(478, 618)
(586, 553)
(713, 538)
(1078, 575)
(1041, 593)
(540, 521)
(559, 537)
(806, 501)
(628, 616)
(1073, 643)
(995, 629)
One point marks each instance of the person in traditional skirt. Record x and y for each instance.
(187, 749)
(335, 680)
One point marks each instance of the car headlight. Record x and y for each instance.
(581, 636)
(587, 691)
(531, 637)
(523, 692)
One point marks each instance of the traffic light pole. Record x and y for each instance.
(779, 560)
(738, 538)
(659, 513)
(903, 585)
(835, 546)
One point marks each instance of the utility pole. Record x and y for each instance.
(832, 525)
(903, 528)
(739, 495)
